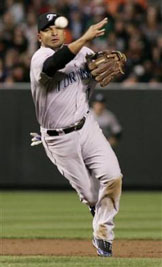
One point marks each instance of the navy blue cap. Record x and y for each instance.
(99, 98)
(47, 19)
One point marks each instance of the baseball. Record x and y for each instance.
(61, 22)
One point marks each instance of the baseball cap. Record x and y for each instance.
(99, 98)
(45, 20)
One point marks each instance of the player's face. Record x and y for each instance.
(98, 107)
(52, 37)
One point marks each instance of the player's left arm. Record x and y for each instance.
(106, 65)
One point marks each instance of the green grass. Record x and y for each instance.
(61, 215)
(76, 262)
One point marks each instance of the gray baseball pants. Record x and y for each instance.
(87, 160)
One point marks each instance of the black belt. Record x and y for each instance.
(76, 127)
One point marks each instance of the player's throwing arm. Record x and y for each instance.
(104, 65)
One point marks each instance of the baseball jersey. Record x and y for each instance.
(108, 123)
(61, 100)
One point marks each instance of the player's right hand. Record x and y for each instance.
(36, 139)
(95, 30)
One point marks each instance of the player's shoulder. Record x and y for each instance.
(42, 52)
(81, 56)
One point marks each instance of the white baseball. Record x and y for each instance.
(61, 22)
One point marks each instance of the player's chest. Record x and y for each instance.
(74, 66)
(74, 72)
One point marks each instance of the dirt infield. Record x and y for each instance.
(63, 247)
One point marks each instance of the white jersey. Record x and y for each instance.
(62, 100)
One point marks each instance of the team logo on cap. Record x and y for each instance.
(51, 16)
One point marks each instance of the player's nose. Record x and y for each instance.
(54, 30)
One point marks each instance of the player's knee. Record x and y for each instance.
(109, 176)
(116, 182)
(114, 186)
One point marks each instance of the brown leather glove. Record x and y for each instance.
(106, 65)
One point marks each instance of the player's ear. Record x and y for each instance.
(39, 37)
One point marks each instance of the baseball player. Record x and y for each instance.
(61, 84)
(106, 119)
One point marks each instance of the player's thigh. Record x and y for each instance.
(65, 153)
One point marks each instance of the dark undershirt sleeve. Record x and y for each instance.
(57, 61)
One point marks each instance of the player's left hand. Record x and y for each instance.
(36, 139)
(106, 65)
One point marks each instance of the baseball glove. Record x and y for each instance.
(106, 65)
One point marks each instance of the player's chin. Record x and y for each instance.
(55, 44)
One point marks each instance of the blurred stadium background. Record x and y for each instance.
(135, 27)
